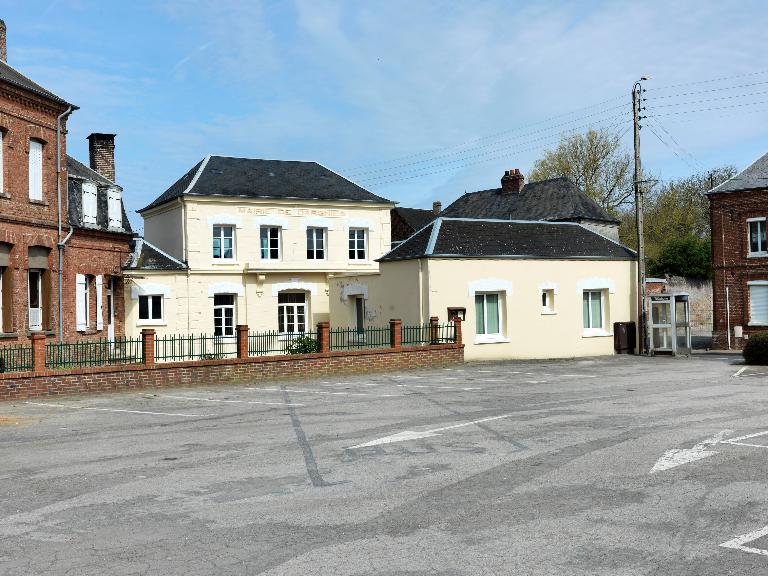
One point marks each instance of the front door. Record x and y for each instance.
(110, 309)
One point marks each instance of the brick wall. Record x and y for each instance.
(211, 372)
(731, 266)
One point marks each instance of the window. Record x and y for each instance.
(115, 208)
(548, 301)
(82, 287)
(757, 244)
(2, 297)
(2, 165)
(360, 313)
(89, 203)
(291, 312)
(487, 320)
(315, 243)
(270, 243)
(35, 170)
(35, 300)
(357, 244)
(224, 315)
(758, 304)
(223, 242)
(151, 308)
(592, 301)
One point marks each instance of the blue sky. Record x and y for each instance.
(417, 101)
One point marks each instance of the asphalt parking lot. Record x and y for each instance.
(615, 466)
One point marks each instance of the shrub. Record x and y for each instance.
(756, 350)
(304, 345)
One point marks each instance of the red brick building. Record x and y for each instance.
(738, 209)
(38, 227)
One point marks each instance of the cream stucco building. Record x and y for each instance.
(247, 241)
(524, 289)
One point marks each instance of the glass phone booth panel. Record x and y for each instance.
(670, 327)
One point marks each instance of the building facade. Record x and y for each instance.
(738, 212)
(248, 241)
(522, 289)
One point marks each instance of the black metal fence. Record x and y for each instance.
(93, 353)
(15, 358)
(178, 348)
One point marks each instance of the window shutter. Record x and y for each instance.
(758, 305)
(35, 170)
(114, 208)
(2, 166)
(89, 203)
(80, 288)
(99, 308)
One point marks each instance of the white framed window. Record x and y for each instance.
(756, 231)
(488, 318)
(223, 242)
(82, 301)
(548, 301)
(593, 311)
(315, 243)
(270, 242)
(150, 308)
(291, 312)
(357, 243)
(224, 315)
(89, 203)
(2, 163)
(115, 208)
(35, 299)
(758, 303)
(35, 170)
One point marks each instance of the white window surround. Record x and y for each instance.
(153, 321)
(354, 290)
(599, 332)
(760, 253)
(224, 220)
(225, 288)
(150, 290)
(595, 283)
(359, 223)
(294, 285)
(498, 338)
(548, 285)
(317, 222)
(221, 237)
(490, 285)
(490, 339)
(270, 221)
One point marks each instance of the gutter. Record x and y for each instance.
(61, 243)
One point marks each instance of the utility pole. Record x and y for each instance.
(642, 315)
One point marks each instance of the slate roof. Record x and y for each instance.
(483, 238)
(556, 199)
(147, 256)
(752, 177)
(77, 173)
(254, 178)
(416, 218)
(13, 76)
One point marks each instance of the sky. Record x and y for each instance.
(415, 100)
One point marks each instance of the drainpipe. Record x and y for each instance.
(60, 244)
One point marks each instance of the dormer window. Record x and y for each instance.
(115, 208)
(89, 203)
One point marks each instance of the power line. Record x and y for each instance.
(747, 95)
(721, 89)
(720, 79)
(660, 139)
(710, 109)
(658, 124)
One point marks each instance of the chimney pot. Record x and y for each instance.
(3, 42)
(101, 152)
(512, 181)
(437, 207)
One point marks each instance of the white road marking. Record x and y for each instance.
(51, 404)
(739, 372)
(201, 399)
(322, 392)
(738, 542)
(679, 456)
(738, 441)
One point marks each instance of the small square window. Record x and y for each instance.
(548, 301)
(151, 308)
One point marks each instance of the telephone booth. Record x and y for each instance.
(670, 324)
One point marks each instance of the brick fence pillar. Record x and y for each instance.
(148, 345)
(457, 330)
(434, 333)
(395, 333)
(242, 341)
(38, 352)
(324, 336)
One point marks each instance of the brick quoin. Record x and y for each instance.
(731, 266)
(20, 386)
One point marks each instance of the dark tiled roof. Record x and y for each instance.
(416, 218)
(13, 76)
(147, 256)
(77, 173)
(254, 178)
(553, 200)
(477, 238)
(752, 177)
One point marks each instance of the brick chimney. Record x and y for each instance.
(437, 207)
(101, 150)
(3, 42)
(512, 181)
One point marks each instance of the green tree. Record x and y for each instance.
(596, 162)
(689, 256)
